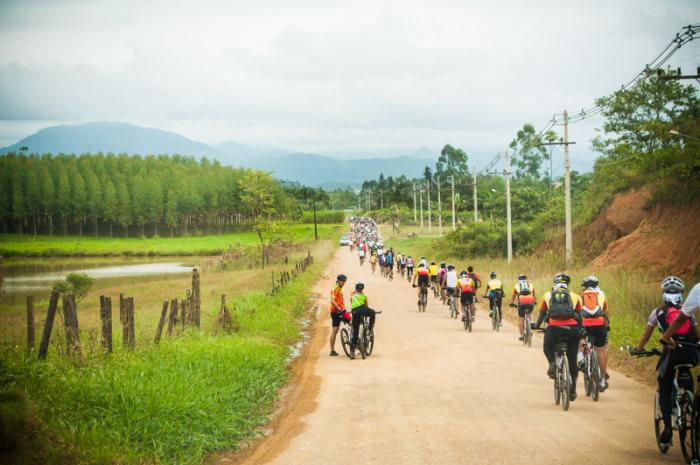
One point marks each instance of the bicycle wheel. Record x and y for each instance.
(369, 342)
(497, 313)
(454, 308)
(528, 332)
(587, 369)
(595, 376)
(557, 382)
(659, 426)
(686, 432)
(361, 341)
(566, 383)
(345, 341)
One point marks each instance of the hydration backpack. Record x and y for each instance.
(561, 307)
(525, 288)
(590, 304)
(667, 316)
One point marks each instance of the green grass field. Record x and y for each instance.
(174, 403)
(59, 246)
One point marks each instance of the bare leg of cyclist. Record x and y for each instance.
(603, 360)
(334, 333)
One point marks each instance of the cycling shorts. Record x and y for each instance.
(433, 278)
(466, 298)
(523, 309)
(336, 318)
(598, 335)
(451, 291)
(422, 280)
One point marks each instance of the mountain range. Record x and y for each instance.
(307, 168)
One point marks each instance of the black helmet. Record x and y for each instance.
(450, 267)
(463, 273)
(359, 287)
(493, 274)
(590, 281)
(522, 277)
(342, 277)
(433, 262)
(442, 265)
(562, 278)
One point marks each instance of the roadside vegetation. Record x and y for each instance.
(172, 403)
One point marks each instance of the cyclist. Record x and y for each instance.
(358, 303)
(409, 266)
(451, 280)
(666, 318)
(562, 310)
(361, 251)
(690, 308)
(402, 263)
(338, 311)
(475, 277)
(373, 260)
(389, 262)
(424, 261)
(494, 291)
(525, 293)
(433, 270)
(466, 289)
(594, 316)
(442, 271)
(422, 277)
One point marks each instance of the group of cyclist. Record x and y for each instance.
(573, 318)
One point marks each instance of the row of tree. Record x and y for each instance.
(133, 195)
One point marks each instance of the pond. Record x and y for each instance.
(23, 277)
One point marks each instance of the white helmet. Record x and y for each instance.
(672, 285)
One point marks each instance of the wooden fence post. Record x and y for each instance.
(124, 319)
(173, 317)
(161, 322)
(197, 298)
(68, 323)
(48, 325)
(182, 313)
(106, 322)
(30, 323)
(132, 324)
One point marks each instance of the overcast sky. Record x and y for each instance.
(324, 76)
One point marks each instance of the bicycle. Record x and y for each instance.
(390, 273)
(684, 414)
(452, 304)
(365, 340)
(374, 266)
(467, 317)
(422, 298)
(434, 288)
(591, 371)
(495, 313)
(409, 274)
(527, 326)
(562, 376)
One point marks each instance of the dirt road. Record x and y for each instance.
(434, 394)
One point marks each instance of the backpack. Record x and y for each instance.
(590, 304)
(667, 316)
(561, 307)
(525, 288)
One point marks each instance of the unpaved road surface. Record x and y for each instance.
(431, 393)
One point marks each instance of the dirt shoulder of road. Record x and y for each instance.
(297, 399)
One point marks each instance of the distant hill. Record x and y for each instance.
(306, 168)
(110, 137)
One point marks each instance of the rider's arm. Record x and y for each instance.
(515, 294)
(645, 338)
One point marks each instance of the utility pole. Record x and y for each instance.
(439, 209)
(315, 226)
(567, 189)
(508, 215)
(476, 215)
(454, 223)
(415, 220)
(567, 194)
(420, 191)
(430, 214)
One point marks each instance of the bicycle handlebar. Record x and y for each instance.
(645, 353)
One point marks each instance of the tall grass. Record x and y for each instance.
(173, 403)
